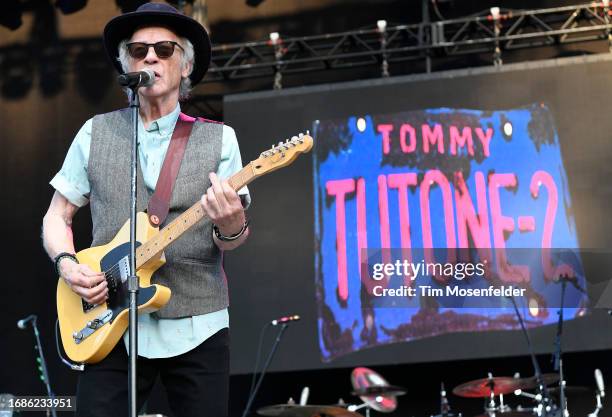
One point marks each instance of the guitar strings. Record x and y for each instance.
(187, 215)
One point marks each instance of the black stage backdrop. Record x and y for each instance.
(274, 274)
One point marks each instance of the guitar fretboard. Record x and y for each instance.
(182, 223)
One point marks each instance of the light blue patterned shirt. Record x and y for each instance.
(157, 338)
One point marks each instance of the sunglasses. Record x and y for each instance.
(163, 49)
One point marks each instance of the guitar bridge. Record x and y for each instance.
(92, 326)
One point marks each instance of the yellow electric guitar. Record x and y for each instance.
(89, 332)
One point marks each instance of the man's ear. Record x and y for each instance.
(186, 70)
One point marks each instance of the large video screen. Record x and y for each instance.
(431, 212)
(428, 179)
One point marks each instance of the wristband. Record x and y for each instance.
(58, 259)
(231, 237)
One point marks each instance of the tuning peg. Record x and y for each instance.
(301, 135)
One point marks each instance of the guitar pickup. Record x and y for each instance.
(87, 306)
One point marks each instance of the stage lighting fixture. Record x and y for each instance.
(11, 16)
(50, 70)
(16, 73)
(495, 13)
(254, 3)
(91, 64)
(70, 6)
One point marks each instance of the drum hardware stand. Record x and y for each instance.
(359, 407)
(546, 408)
(598, 407)
(491, 408)
(558, 355)
(599, 393)
(535, 397)
(445, 409)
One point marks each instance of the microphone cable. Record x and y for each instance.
(262, 332)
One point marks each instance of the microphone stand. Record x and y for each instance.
(247, 409)
(133, 283)
(43, 366)
(558, 355)
(546, 402)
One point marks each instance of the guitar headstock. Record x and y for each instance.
(282, 154)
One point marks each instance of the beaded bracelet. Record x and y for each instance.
(58, 259)
(232, 237)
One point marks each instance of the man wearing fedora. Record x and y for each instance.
(186, 343)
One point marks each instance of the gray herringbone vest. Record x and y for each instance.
(194, 270)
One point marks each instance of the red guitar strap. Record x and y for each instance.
(159, 205)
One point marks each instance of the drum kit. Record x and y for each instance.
(378, 395)
(373, 390)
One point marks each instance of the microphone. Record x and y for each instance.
(285, 319)
(23, 322)
(558, 279)
(144, 78)
(600, 383)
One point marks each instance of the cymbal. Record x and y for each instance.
(374, 390)
(294, 410)
(572, 389)
(482, 388)
(532, 382)
(365, 379)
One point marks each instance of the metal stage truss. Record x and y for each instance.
(493, 31)
(490, 36)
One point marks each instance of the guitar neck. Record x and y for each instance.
(185, 221)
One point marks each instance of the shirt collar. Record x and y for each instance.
(163, 126)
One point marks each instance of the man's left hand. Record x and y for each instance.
(222, 204)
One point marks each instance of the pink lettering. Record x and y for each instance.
(501, 225)
(386, 136)
(383, 209)
(431, 137)
(339, 189)
(431, 177)
(485, 139)
(478, 224)
(401, 182)
(407, 129)
(538, 179)
(461, 139)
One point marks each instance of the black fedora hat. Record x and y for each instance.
(151, 14)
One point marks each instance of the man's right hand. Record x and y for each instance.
(84, 281)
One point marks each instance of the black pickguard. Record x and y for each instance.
(118, 294)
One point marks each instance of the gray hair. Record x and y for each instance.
(187, 59)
